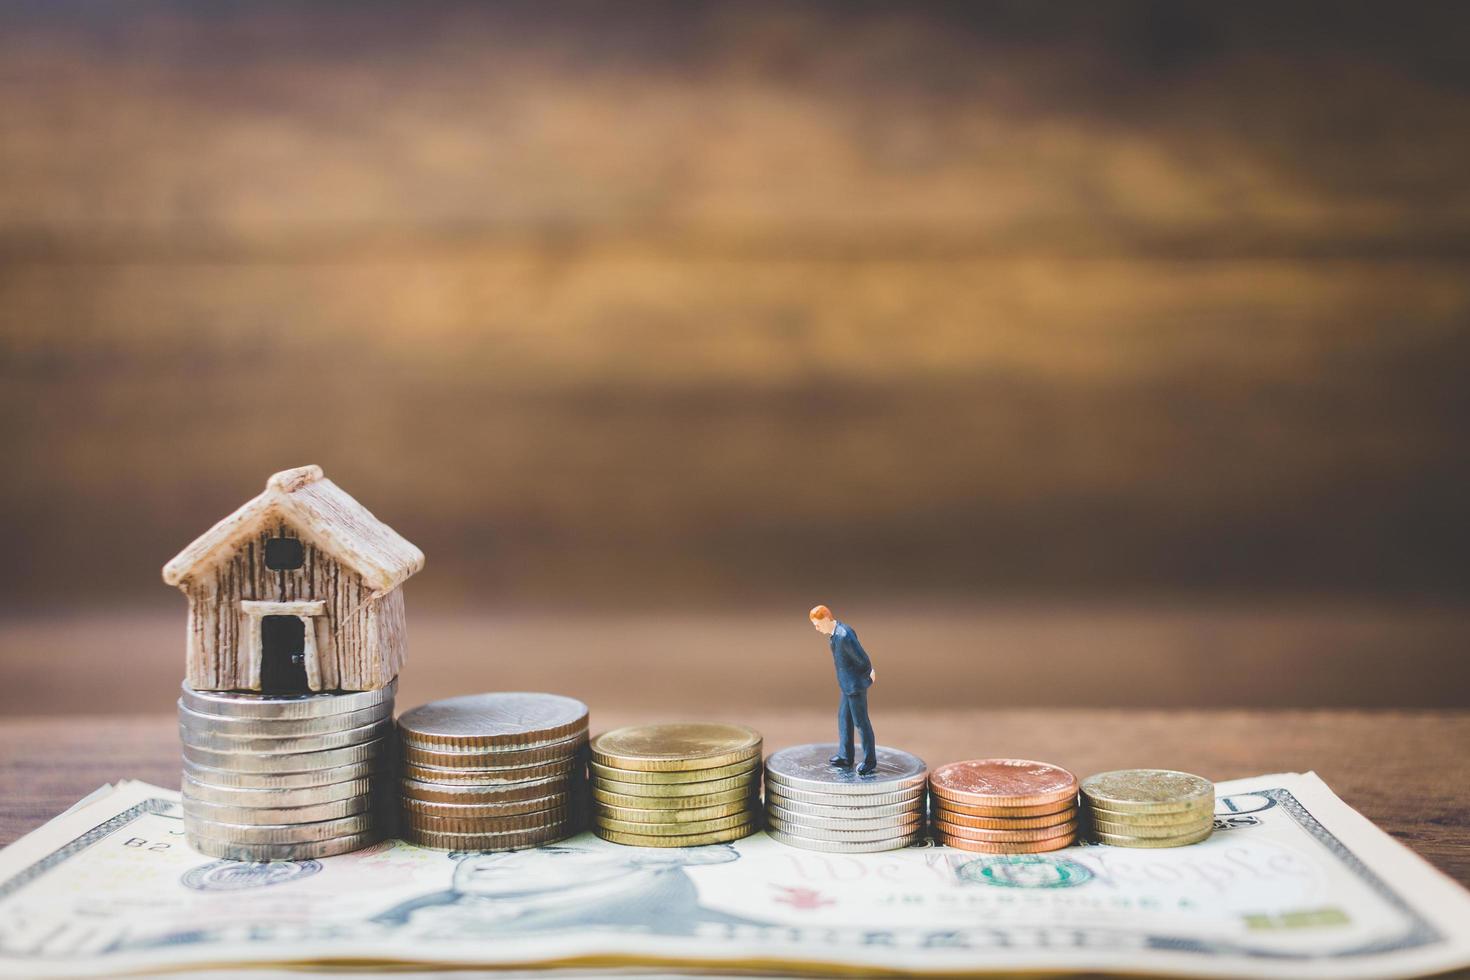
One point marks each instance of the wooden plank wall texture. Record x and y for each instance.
(667, 302)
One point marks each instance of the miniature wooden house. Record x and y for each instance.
(298, 590)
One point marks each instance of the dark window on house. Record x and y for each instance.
(284, 554)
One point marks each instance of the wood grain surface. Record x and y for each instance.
(1097, 297)
(1406, 771)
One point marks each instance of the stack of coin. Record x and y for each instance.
(279, 777)
(676, 785)
(1148, 808)
(813, 804)
(1004, 806)
(493, 772)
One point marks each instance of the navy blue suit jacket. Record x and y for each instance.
(854, 669)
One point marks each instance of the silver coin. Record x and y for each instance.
(301, 851)
(890, 821)
(856, 836)
(844, 847)
(805, 767)
(283, 762)
(255, 798)
(850, 806)
(277, 833)
(279, 745)
(224, 813)
(245, 704)
(233, 726)
(231, 779)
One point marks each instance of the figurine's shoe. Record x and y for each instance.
(841, 762)
(867, 768)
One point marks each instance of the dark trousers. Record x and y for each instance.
(853, 711)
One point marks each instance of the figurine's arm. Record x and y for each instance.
(861, 656)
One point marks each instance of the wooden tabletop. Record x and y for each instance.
(1406, 771)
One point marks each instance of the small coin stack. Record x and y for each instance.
(676, 785)
(493, 772)
(1148, 808)
(815, 805)
(1004, 806)
(281, 777)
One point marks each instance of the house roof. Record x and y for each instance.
(323, 514)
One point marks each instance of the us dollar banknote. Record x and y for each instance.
(1293, 883)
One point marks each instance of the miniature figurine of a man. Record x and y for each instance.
(855, 674)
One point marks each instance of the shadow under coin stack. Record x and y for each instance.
(1148, 808)
(813, 804)
(1004, 806)
(676, 785)
(493, 772)
(282, 777)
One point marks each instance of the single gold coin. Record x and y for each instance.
(979, 833)
(1144, 830)
(679, 840)
(1004, 823)
(1131, 840)
(665, 777)
(675, 746)
(1182, 818)
(739, 794)
(747, 782)
(985, 810)
(672, 830)
(1148, 791)
(673, 817)
(1002, 847)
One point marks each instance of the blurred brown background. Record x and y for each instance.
(1078, 354)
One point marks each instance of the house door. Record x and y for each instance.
(283, 655)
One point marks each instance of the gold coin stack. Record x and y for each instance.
(1004, 806)
(1148, 808)
(676, 785)
(493, 772)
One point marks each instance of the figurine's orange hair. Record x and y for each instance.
(819, 613)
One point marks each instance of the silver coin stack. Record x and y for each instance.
(493, 772)
(282, 777)
(815, 805)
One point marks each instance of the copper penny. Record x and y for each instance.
(1003, 782)
(1009, 812)
(1068, 830)
(947, 816)
(998, 847)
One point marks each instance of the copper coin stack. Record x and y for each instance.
(284, 776)
(1003, 806)
(681, 784)
(1148, 808)
(493, 772)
